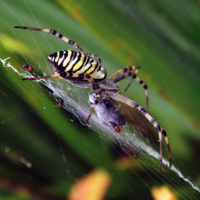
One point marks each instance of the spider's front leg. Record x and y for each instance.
(125, 73)
(94, 86)
(57, 34)
(124, 70)
(82, 76)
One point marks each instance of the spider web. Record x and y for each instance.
(134, 140)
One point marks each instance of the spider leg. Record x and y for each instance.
(95, 103)
(134, 77)
(57, 34)
(161, 131)
(44, 77)
(95, 57)
(71, 75)
(82, 77)
(122, 71)
(161, 149)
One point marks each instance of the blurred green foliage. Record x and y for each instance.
(160, 36)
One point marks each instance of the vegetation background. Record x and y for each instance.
(162, 37)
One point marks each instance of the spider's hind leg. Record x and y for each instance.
(161, 131)
(134, 77)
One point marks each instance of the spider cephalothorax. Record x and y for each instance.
(85, 70)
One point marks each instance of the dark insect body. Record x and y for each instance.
(85, 70)
(28, 67)
(108, 113)
(115, 126)
(61, 104)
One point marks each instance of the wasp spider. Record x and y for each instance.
(85, 70)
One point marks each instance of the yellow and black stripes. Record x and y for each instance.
(161, 131)
(133, 104)
(57, 34)
(77, 63)
(85, 70)
(124, 70)
(66, 75)
(81, 77)
(78, 68)
(125, 73)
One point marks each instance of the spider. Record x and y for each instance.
(85, 70)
